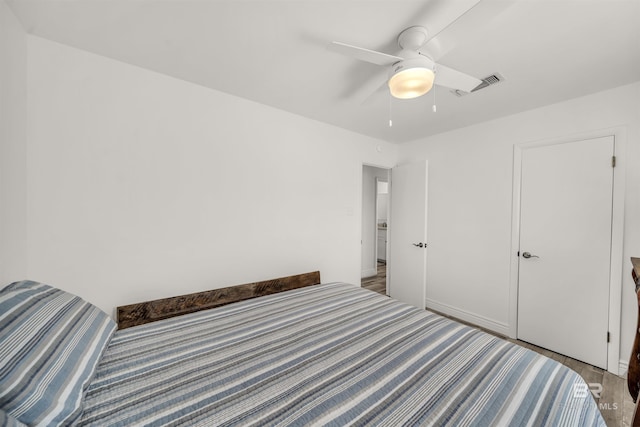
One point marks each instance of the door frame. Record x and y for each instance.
(359, 215)
(377, 231)
(614, 364)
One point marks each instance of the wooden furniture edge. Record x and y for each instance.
(633, 373)
(635, 273)
(151, 311)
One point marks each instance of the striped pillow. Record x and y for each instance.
(7, 420)
(50, 344)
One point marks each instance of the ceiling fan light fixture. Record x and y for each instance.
(411, 83)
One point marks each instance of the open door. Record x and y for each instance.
(407, 258)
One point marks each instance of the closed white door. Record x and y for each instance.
(407, 238)
(565, 248)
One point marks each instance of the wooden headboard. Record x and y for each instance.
(151, 311)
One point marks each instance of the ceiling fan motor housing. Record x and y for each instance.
(413, 38)
(418, 61)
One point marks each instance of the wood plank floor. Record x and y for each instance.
(615, 403)
(377, 283)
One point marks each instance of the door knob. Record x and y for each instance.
(420, 245)
(528, 255)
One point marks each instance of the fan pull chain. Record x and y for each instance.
(390, 120)
(434, 99)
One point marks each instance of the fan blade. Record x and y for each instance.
(363, 54)
(464, 27)
(454, 79)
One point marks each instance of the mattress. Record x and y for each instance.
(330, 354)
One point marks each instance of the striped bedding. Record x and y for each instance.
(50, 344)
(331, 354)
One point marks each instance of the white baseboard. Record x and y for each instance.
(623, 367)
(483, 322)
(369, 273)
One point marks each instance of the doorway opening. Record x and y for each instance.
(375, 224)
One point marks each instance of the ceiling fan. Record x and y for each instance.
(412, 72)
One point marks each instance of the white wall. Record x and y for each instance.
(143, 186)
(470, 201)
(13, 146)
(369, 223)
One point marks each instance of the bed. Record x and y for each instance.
(286, 354)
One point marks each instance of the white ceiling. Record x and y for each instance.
(275, 51)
